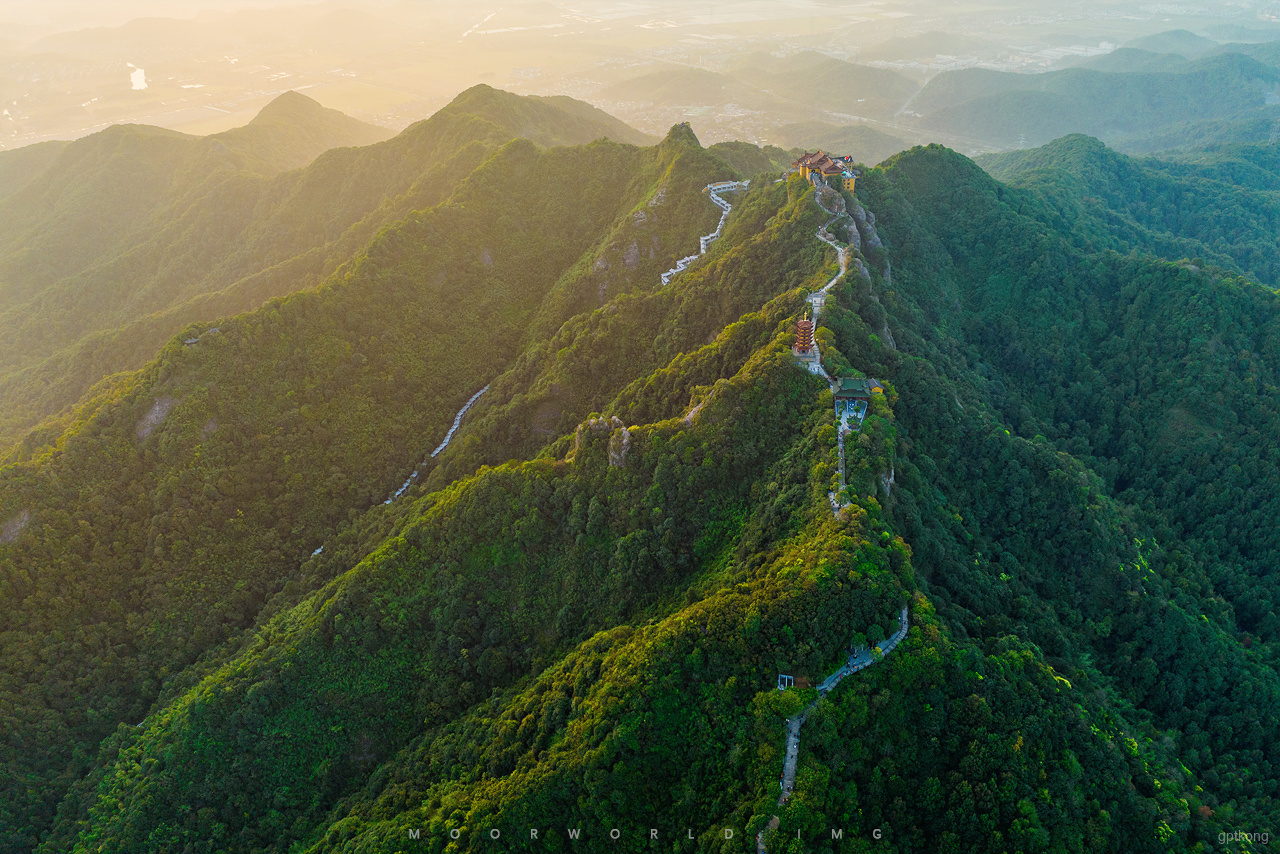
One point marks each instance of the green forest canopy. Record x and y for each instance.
(579, 621)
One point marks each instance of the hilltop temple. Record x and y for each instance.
(857, 388)
(836, 171)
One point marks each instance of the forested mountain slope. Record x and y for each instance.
(100, 189)
(188, 495)
(1220, 205)
(578, 618)
(169, 230)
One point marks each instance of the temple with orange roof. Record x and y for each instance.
(836, 171)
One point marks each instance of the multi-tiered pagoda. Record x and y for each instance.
(804, 337)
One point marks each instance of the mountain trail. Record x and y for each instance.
(448, 437)
(706, 240)
(859, 659)
(833, 203)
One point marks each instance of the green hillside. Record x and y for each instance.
(681, 86)
(577, 619)
(748, 159)
(1220, 205)
(290, 132)
(186, 237)
(576, 615)
(19, 166)
(1131, 59)
(832, 85)
(239, 473)
(1181, 42)
(1262, 127)
(1268, 53)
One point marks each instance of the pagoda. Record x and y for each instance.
(804, 336)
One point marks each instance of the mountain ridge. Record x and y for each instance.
(232, 239)
(577, 617)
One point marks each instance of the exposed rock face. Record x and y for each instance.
(619, 444)
(619, 438)
(867, 225)
(486, 258)
(693, 412)
(855, 239)
(631, 257)
(888, 337)
(155, 416)
(12, 528)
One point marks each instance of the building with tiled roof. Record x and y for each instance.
(836, 171)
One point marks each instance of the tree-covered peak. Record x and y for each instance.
(938, 171)
(1079, 154)
(681, 135)
(288, 133)
(554, 120)
(1220, 204)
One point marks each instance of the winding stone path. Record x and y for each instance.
(859, 659)
(706, 240)
(448, 437)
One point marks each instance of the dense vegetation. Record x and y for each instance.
(1121, 380)
(129, 235)
(185, 496)
(1219, 205)
(576, 619)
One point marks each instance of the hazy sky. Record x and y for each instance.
(72, 67)
(75, 14)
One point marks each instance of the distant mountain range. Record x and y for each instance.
(1124, 104)
(790, 87)
(1143, 97)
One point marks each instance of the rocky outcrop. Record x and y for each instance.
(866, 225)
(10, 530)
(619, 443)
(155, 416)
